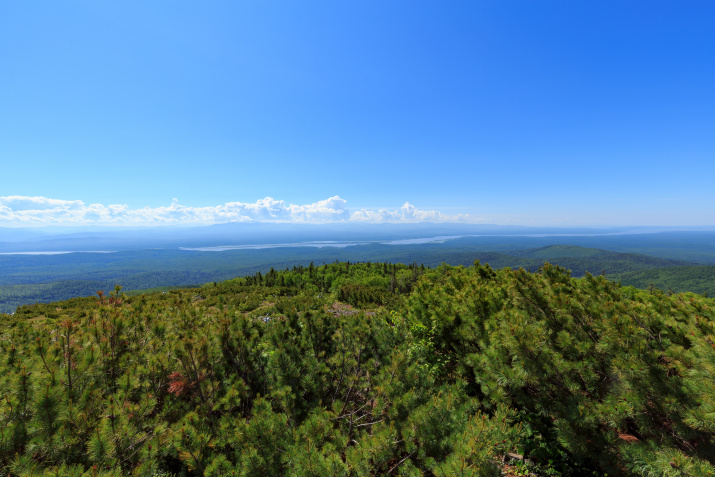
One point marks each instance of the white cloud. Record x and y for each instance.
(22, 203)
(19, 211)
(409, 213)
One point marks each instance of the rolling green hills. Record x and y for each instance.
(32, 279)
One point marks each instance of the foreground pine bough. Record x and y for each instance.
(363, 369)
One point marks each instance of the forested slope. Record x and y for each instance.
(697, 279)
(363, 369)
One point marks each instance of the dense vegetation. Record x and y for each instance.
(697, 279)
(363, 369)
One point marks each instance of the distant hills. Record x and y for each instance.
(581, 260)
(30, 279)
(698, 279)
(143, 258)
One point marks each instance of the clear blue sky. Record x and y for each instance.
(548, 112)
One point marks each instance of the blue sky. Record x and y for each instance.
(509, 112)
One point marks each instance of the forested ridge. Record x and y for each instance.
(44, 279)
(363, 369)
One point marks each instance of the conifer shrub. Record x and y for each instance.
(363, 369)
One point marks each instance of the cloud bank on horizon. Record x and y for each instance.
(43, 211)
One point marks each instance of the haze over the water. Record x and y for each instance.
(555, 113)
